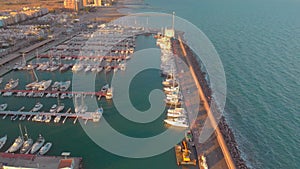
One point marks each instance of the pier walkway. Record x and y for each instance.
(85, 93)
(83, 116)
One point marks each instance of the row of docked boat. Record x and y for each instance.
(176, 114)
(92, 67)
(97, 69)
(25, 145)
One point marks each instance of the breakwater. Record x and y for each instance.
(222, 125)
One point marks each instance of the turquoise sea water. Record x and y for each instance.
(259, 44)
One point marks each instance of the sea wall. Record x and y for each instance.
(223, 126)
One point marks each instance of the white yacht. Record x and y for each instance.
(109, 93)
(53, 108)
(77, 67)
(38, 144)
(97, 115)
(88, 68)
(171, 89)
(60, 108)
(65, 85)
(45, 148)
(44, 85)
(38, 106)
(3, 106)
(11, 84)
(177, 112)
(3, 141)
(177, 122)
(16, 145)
(26, 146)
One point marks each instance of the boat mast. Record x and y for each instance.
(24, 60)
(21, 132)
(26, 134)
(173, 22)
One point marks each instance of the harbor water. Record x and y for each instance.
(76, 141)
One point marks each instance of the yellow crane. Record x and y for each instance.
(185, 153)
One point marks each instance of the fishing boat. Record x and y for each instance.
(38, 144)
(97, 114)
(16, 145)
(45, 148)
(38, 106)
(11, 84)
(3, 106)
(3, 141)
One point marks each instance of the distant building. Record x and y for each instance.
(75, 5)
(98, 2)
(85, 2)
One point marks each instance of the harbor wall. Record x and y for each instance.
(223, 132)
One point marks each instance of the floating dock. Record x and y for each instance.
(99, 93)
(84, 116)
